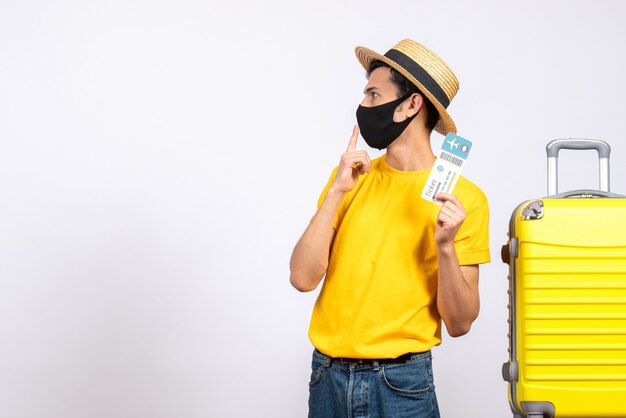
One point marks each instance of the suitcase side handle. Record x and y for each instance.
(553, 148)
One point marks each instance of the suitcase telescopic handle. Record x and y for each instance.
(553, 148)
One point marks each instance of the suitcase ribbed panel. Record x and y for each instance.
(570, 308)
(575, 321)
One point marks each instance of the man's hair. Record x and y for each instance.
(404, 87)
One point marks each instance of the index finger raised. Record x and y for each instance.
(353, 139)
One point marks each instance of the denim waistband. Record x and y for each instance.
(343, 361)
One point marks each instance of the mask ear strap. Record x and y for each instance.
(400, 100)
(406, 96)
(410, 118)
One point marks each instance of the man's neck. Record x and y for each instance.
(411, 152)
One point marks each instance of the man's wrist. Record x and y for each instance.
(446, 248)
(334, 193)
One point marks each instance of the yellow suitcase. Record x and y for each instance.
(567, 299)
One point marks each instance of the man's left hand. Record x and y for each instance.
(450, 218)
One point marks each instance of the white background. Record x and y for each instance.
(159, 160)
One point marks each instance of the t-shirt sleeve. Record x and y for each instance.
(472, 240)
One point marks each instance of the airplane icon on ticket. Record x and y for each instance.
(453, 143)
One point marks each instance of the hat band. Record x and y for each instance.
(420, 74)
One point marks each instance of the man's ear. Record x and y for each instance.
(415, 104)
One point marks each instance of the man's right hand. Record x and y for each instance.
(309, 260)
(352, 165)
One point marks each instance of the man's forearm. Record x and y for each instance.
(309, 259)
(457, 294)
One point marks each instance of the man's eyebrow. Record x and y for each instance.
(369, 89)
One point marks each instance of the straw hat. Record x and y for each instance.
(424, 69)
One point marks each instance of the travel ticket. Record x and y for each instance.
(447, 168)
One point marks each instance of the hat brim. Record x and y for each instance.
(445, 123)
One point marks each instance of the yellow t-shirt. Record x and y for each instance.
(378, 299)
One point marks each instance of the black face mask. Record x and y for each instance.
(377, 125)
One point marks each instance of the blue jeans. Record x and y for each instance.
(348, 390)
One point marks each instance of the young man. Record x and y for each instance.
(394, 264)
